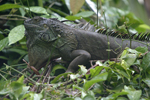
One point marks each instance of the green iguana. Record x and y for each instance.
(51, 38)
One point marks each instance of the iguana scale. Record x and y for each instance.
(51, 38)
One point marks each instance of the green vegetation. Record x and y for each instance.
(125, 78)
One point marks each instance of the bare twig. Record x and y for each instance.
(33, 68)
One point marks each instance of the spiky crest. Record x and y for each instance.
(144, 36)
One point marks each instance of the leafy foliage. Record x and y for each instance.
(125, 79)
(108, 81)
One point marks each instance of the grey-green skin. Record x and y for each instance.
(50, 38)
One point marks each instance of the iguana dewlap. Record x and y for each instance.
(50, 38)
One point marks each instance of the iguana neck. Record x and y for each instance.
(64, 33)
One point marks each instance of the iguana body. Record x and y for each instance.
(50, 38)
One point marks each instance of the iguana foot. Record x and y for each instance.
(80, 57)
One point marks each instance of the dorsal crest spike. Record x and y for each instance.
(106, 31)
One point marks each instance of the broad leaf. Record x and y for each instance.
(144, 26)
(93, 6)
(21, 79)
(121, 98)
(98, 78)
(141, 49)
(129, 60)
(58, 77)
(114, 96)
(8, 6)
(83, 69)
(16, 34)
(75, 5)
(147, 81)
(36, 9)
(132, 93)
(3, 43)
(72, 17)
(128, 57)
(146, 61)
(56, 67)
(88, 97)
(85, 14)
(68, 98)
(96, 71)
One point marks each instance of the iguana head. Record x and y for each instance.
(40, 36)
(40, 28)
(36, 25)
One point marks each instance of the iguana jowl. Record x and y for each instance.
(50, 38)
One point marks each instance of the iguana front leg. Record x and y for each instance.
(80, 57)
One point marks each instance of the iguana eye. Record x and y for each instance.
(37, 20)
(45, 26)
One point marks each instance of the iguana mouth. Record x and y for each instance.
(28, 25)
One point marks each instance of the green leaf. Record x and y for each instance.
(22, 11)
(147, 81)
(57, 78)
(24, 91)
(3, 43)
(21, 79)
(132, 93)
(37, 96)
(19, 51)
(93, 6)
(132, 51)
(7, 67)
(129, 59)
(114, 96)
(4, 87)
(5, 91)
(37, 9)
(77, 98)
(56, 67)
(67, 2)
(85, 14)
(121, 98)
(123, 55)
(33, 96)
(98, 78)
(83, 69)
(88, 97)
(8, 6)
(61, 13)
(146, 61)
(141, 49)
(16, 85)
(72, 17)
(16, 89)
(133, 20)
(68, 98)
(123, 73)
(72, 76)
(96, 71)
(77, 87)
(16, 34)
(143, 27)
(108, 98)
(83, 94)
